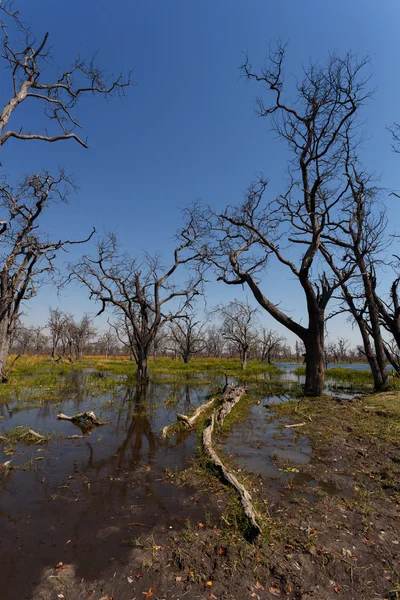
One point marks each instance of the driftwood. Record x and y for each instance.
(230, 396)
(84, 420)
(295, 425)
(190, 421)
(36, 435)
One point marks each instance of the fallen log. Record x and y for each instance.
(189, 421)
(230, 398)
(36, 435)
(85, 420)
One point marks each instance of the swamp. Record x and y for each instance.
(119, 511)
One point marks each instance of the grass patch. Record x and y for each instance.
(375, 415)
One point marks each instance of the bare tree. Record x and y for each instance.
(142, 294)
(247, 237)
(36, 80)
(351, 246)
(26, 254)
(23, 339)
(80, 332)
(389, 310)
(238, 326)
(343, 348)
(107, 343)
(214, 342)
(186, 335)
(270, 342)
(56, 325)
(39, 339)
(393, 355)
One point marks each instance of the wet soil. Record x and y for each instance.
(108, 515)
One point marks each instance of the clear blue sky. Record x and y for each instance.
(188, 129)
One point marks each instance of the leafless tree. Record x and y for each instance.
(56, 325)
(80, 334)
(300, 350)
(352, 244)
(35, 79)
(270, 342)
(107, 343)
(238, 326)
(142, 294)
(23, 339)
(40, 339)
(392, 351)
(187, 337)
(247, 237)
(389, 310)
(26, 254)
(214, 341)
(160, 342)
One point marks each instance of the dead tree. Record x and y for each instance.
(269, 341)
(107, 343)
(81, 333)
(262, 230)
(142, 294)
(56, 325)
(27, 255)
(389, 310)
(214, 342)
(187, 338)
(238, 327)
(35, 79)
(351, 246)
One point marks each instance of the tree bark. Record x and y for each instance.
(315, 357)
(142, 373)
(244, 359)
(5, 343)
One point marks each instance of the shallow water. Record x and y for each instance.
(84, 501)
(70, 499)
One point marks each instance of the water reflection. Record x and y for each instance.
(108, 487)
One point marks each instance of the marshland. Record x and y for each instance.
(199, 309)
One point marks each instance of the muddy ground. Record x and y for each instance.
(122, 514)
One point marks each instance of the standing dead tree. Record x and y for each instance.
(351, 246)
(238, 327)
(35, 80)
(26, 254)
(214, 342)
(246, 238)
(269, 341)
(187, 337)
(56, 326)
(141, 294)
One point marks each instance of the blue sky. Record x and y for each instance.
(187, 130)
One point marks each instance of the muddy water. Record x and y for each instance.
(83, 501)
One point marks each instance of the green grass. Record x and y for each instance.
(9, 438)
(373, 416)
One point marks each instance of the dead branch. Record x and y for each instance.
(189, 421)
(83, 419)
(36, 435)
(229, 399)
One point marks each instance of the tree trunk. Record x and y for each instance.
(315, 359)
(142, 373)
(380, 377)
(244, 359)
(5, 343)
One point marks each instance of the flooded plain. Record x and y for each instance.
(84, 501)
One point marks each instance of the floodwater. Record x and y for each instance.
(84, 501)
